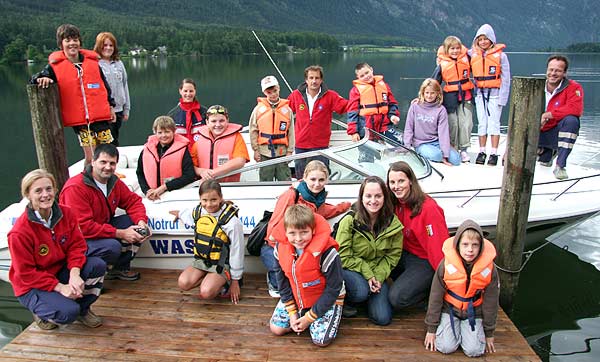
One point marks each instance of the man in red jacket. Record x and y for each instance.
(560, 122)
(95, 194)
(313, 105)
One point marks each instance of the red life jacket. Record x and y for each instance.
(455, 72)
(455, 275)
(82, 99)
(487, 70)
(373, 96)
(273, 124)
(169, 164)
(304, 272)
(215, 152)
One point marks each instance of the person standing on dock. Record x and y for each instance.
(313, 105)
(50, 273)
(560, 122)
(95, 194)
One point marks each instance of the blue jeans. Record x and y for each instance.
(433, 152)
(357, 291)
(54, 307)
(268, 259)
(113, 251)
(412, 281)
(300, 164)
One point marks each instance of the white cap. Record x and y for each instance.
(268, 82)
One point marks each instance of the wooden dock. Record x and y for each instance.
(151, 320)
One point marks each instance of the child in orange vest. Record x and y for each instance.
(308, 261)
(463, 303)
(271, 128)
(454, 70)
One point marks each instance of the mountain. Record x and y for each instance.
(522, 25)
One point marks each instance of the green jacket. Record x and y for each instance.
(361, 252)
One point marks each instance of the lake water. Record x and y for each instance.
(558, 304)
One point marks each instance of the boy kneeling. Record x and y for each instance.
(466, 288)
(308, 259)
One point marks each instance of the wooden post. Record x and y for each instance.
(48, 133)
(527, 105)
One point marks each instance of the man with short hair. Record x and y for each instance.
(560, 123)
(313, 105)
(95, 194)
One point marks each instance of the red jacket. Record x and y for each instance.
(276, 230)
(94, 210)
(378, 92)
(567, 101)
(39, 253)
(315, 131)
(82, 99)
(425, 233)
(304, 272)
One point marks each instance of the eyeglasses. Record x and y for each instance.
(217, 109)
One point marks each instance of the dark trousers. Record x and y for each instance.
(412, 281)
(300, 164)
(561, 137)
(55, 307)
(114, 128)
(113, 251)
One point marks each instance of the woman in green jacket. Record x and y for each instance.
(370, 246)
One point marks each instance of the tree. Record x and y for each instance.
(15, 50)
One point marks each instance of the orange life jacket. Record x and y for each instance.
(487, 69)
(455, 72)
(83, 98)
(455, 275)
(169, 164)
(304, 272)
(273, 123)
(373, 96)
(215, 152)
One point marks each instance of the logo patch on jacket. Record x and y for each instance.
(492, 70)
(93, 85)
(384, 97)
(465, 74)
(282, 126)
(311, 284)
(578, 93)
(429, 230)
(301, 107)
(43, 250)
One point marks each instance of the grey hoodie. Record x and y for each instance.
(503, 92)
(488, 310)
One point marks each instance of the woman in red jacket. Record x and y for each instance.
(50, 273)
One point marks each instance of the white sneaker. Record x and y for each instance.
(274, 293)
(560, 173)
(464, 156)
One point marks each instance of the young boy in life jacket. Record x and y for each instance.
(218, 245)
(371, 104)
(463, 303)
(310, 278)
(271, 127)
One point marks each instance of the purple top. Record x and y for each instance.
(427, 122)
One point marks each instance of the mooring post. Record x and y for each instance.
(527, 103)
(48, 133)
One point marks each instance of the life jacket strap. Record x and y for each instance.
(470, 308)
(271, 137)
(462, 81)
(487, 77)
(375, 105)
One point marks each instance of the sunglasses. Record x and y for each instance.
(217, 109)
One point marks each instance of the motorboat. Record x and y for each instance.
(465, 191)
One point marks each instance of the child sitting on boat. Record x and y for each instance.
(218, 245)
(310, 192)
(309, 271)
(463, 303)
(220, 148)
(189, 115)
(271, 128)
(426, 127)
(372, 105)
(165, 164)
(454, 69)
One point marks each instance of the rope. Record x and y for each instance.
(528, 255)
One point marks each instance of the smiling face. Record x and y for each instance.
(108, 48)
(299, 237)
(217, 124)
(430, 94)
(454, 51)
(272, 94)
(469, 248)
(365, 74)
(483, 42)
(555, 72)
(211, 201)
(399, 184)
(316, 181)
(41, 195)
(372, 198)
(165, 136)
(187, 92)
(313, 80)
(104, 167)
(70, 47)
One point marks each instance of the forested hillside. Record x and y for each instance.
(221, 26)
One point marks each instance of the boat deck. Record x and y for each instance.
(151, 320)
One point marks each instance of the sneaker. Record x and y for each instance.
(493, 160)
(481, 158)
(464, 156)
(45, 325)
(349, 311)
(273, 292)
(546, 164)
(560, 173)
(90, 319)
(128, 275)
